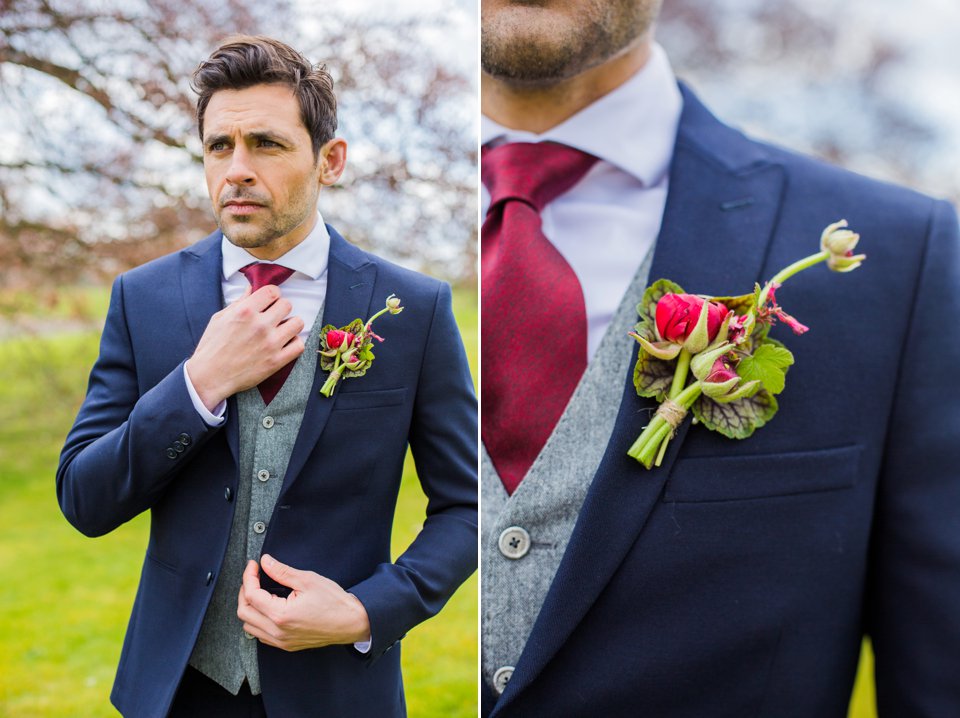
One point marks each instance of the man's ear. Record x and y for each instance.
(332, 159)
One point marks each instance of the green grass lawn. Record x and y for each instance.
(65, 599)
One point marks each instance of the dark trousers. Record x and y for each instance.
(200, 697)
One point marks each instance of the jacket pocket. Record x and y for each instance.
(369, 399)
(759, 476)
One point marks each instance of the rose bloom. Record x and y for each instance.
(338, 337)
(677, 315)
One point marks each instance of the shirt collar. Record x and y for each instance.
(633, 127)
(310, 257)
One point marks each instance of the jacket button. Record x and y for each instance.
(184, 439)
(501, 678)
(209, 577)
(514, 542)
(178, 447)
(228, 494)
(171, 453)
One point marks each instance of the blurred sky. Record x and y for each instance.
(873, 84)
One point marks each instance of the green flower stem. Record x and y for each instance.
(787, 272)
(331, 382)
(680, 373)
(370, 320)
(657, 434)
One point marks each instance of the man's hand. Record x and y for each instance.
(318, 612)
(243, 344)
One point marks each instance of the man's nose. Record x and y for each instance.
(241, 169)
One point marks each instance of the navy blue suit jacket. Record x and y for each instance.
(739, 578)
(336, 508)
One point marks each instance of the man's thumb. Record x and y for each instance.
(281, 573)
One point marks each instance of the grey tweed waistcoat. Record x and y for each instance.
(223, 651)
(524, 536)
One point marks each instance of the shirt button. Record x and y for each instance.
(514, 542)
(259, 527)
(501, 678)
(263, 475)
(228, 493)
(184, 439)
(267, 422)
(171, 453)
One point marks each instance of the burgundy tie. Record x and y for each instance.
(534, 340)
(260, 275)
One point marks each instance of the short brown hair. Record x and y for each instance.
(243, 61)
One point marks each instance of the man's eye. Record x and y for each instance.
(269, 143)
(217, 146)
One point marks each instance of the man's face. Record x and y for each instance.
(260, 169)
(542, 42)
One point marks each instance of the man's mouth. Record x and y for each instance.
(241, 206)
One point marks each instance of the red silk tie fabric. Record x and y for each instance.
(260, 275)
(534, 339)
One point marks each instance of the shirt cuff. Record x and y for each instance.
(215, 418)
(364, 646)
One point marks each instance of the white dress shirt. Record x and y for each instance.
(305, 290)
(607, 222)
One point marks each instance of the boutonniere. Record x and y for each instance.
(713, 355)
(348, 351)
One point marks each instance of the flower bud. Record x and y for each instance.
(721, 372)
(337, 338)
(393, 304)
(840, 243)
(678, 314)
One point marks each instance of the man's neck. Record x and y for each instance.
(538, 109)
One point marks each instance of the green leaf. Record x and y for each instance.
(652, 377)
(768, 364)
(737, 419)
(738, 305)
(647, 308)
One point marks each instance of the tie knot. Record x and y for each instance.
(535, 173)
(260, 275)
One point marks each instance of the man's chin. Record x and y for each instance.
(530, 46)
(244, 233)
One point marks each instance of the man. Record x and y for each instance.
(739, 577)
(267, 587)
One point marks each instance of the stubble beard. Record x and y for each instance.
(266, 225)
(534, 47)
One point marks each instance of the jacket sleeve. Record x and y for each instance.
(443, 440)
(914, 592)
(124, 447)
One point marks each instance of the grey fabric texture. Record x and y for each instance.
(223, 651)
(548, 500)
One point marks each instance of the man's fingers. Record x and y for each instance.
(250, 591)
(282, 573)
(261, 299)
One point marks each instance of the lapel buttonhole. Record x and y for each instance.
(736, 203)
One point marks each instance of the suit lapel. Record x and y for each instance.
(350, 279)
(200, 280)
(722, 207)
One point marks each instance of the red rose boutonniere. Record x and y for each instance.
(348, 351)
(713, 355)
